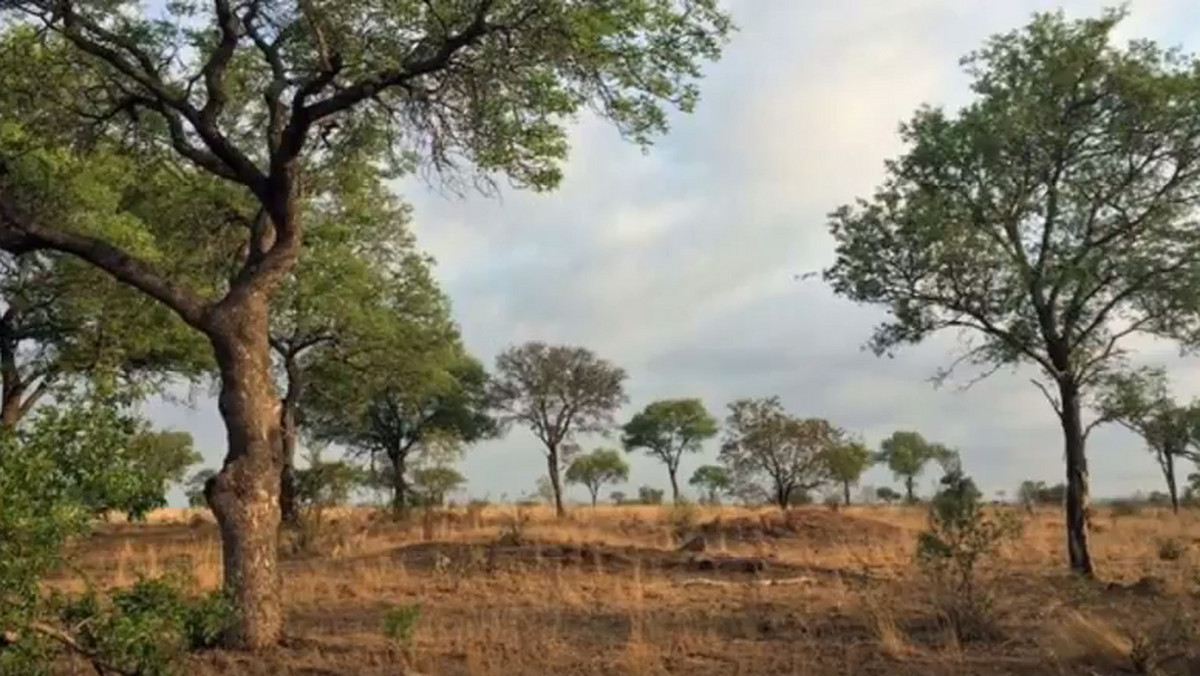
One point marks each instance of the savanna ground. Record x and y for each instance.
(510, 591)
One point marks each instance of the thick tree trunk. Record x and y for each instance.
(782, 495)
(910, 495)
(1077, 479)
(846, 492)
(555, 482)
(673, 471)
(244, 496)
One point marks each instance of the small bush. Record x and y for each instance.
(683, 518)
(960, 536)
(400, 624)
(1171, 549)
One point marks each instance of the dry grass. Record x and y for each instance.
(607, 592)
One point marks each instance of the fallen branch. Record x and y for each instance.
(709, 582)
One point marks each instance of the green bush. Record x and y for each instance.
(960, 536)
(400, 623)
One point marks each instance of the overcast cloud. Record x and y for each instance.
(680, 265)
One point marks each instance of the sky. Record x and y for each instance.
(680, 264)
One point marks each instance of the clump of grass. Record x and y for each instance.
(1171, 549)
(400, 624)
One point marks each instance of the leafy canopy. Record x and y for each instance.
(594, 470)
(1049, 218)
(667, 429)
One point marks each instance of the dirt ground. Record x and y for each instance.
(695, 591)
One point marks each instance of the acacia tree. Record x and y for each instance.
(435, 482)
(667, 429)
(764, 440)
(257, 101)
(1140, 402)
(593, 470)
(907, 454)
(386, 402)
(1049, 219)
(714, 480)
(846, 463)
(558, 392)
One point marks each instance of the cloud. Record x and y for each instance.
(680, 264)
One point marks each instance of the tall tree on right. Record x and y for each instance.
(558, 392)
(667, 430)
(1050, 218)
(1140, 401)
(907, 454)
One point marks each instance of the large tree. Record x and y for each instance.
(244, 108)
(1140, 401)
(1048, 219)
(764, 441)
(908, 453)
(593, 470)
(667, 429)
(558, 392)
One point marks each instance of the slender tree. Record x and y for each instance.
(1140, 401)
(667, 430)
(762, 440)
(558, 392)
(259, 101)
(433, 483)
(846, 463)
(1050, 218)
(594, 470)
(908, 453)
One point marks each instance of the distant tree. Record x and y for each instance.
(1032, 493)
(1140, 401)
(163, 458)
(617, 497)
(907, 454)
(713, 480)
(1051, 217)
(558, 392)
(323, 484)
(650, 496)
(433, 483)
(667, 429)
(390, 406)
(846, 463)
(594, 470)
(887, 494)
(194, 489)
(762, 441)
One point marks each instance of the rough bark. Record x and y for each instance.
(13, 388)
(555, 482)
(244, 495)
(1077, 478)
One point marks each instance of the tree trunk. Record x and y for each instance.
(846, 492)
(244, 495)
(782, 493)
(289, 507)
(595, 495)
(1168, 465)
(399, 485)
(909, 493)
(672, 471)
(12, 388)
(555, 482)
(1077, 479)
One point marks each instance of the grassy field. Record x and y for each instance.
(507, 591)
